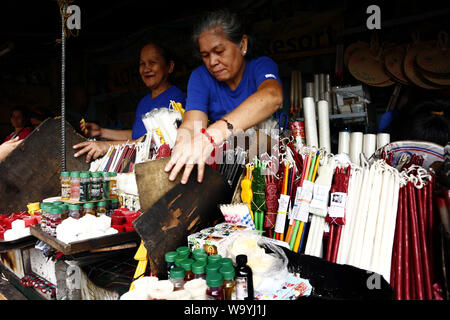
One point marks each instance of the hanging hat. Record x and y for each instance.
(393, 63)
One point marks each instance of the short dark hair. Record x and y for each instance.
(164, 50)
(23, 110)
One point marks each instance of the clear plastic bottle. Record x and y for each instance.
(177, 278)
(112, 185)
(74, 211)
(101, 208)
(198, 269)
(75, 185)
(89, 208)
(96, 186)
(244, 279)
(85, 186)
(170, 261)
(186, 264)
(65, 185)
(229, 284)
(214, 290)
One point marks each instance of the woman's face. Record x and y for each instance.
(222, 57)
(153, 68)
(17, 119)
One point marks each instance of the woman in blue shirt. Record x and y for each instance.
(155, 66)
(228, 94)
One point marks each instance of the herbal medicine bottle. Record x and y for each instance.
(55, 219)
(244, 279)
(214, 281)
(101, 208)
(186, 264)
(170, 261)
(198, 269)
(85, 186)
(65, 185)
(96, 186)
(106, 186)
(75, 185)
(44, 214)
(228, 273)
(75, 211)
(64, 211)
(88, 208)
(177, 278)
(113, 185)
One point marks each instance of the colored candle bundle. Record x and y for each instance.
(412, 257)
(283, 206)
(272, 196)
(258, 203)
(234, 213)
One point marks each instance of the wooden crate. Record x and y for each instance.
(32, 171)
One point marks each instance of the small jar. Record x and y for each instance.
(198, 269)
(101, 208)
(186, 264)
(55, 219)
(112, 185)
(75, 211)
(177, 278)
(96, 186)
(85, 186)
(201, 256)
(214, 282)
(65, 211)
(65, 185)
(196, 252)
(170, 261)
(48, 219)
(89, 208)
(75, 186)
(106, 185)
(228, 285)
(114, 205)
(178, 260)
(44, 214)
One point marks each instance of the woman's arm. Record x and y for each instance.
(96, 149)
(193, 147)
(92, 129)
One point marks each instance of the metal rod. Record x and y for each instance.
(63, 102)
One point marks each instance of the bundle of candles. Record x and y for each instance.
(411, 273)
(119, 158)
(356, 143)
(320, 88)
(162, 125)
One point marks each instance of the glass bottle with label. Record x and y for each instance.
(85, 186)
(75, 185)
(65, 185)
(101, 208)
(170, 261)
(106, 185)
(177, 278)
(228, 274)
(96, 186)
(214, 290)
(244, 279)
(112, 185)
(89, 208)
(75, 211)
(198, 269)
(186, 264)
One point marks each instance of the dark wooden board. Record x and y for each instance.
(32, 171)
(84, 245)
(183, 210)
(25, 242)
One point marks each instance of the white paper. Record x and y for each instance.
(283, 204)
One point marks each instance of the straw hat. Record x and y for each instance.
(351, 49)
(366, 64)
(393, 63)
(410, 67)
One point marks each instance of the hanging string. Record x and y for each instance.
(63, 5)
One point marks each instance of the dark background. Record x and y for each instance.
(102, 80)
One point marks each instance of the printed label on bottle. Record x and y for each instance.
(241, 288)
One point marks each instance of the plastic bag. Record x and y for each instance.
(267, 261)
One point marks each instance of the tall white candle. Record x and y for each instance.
(344, 142)
(324, 126)
(356, 144)
(383, 139)
(369, 145)
(309, 112)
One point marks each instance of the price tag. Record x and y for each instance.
(320, 197)
(283, 204)
(305, 199)
(337, 205)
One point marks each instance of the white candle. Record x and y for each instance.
(383, 139)
(309, 112)
(324, 126)
(309, 89)
(344, 142)
(369, 145)
(316, 87)
(356, 143)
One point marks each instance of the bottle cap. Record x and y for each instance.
(56, 210)
(198, 267)
(112, 174)
(214, 279)
(227, 272)
(183, 251)
(202, 258)
(226, 262)
(101, 203)
(74, 207)
(96, 174)
(65, 174)
(241, 260)
(85, 174)
(186, 264)
(89, 205)
(170, 256)
(64, 206)
(75, 174)
(214, 258)
(198, 251)
(114, 200)
(211, 267)
(177, 273)
(178, 260)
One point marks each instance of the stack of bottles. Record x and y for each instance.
(209, 277)
(86, 186)
(54, 213)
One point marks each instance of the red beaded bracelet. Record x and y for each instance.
(209, 137)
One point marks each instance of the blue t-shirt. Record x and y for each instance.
(147, 104)
(216, 98)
